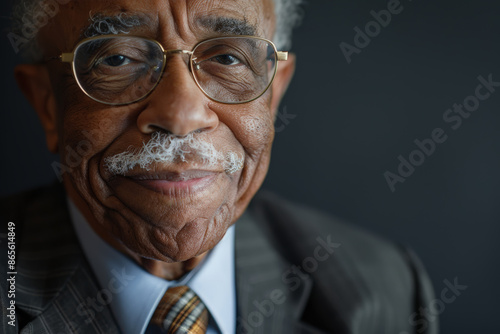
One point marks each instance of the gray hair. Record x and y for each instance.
(288, 16)
(26, 12)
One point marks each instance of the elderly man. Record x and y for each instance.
(162, 112)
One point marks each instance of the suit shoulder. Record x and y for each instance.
(311, 223)
(374, 278)
(298, 231)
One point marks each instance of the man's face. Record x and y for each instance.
(175, 211)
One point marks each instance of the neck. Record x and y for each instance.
(170, 271)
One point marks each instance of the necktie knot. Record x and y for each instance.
(181, 311)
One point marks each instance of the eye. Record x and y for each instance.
(226, 60)
(116, 60)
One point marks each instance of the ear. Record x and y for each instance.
(34, 82)
(286, 69)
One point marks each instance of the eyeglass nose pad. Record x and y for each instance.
(196, 65)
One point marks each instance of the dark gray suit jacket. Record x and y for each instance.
(297, 271)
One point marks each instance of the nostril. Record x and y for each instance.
(154, 128)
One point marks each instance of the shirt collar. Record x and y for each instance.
(133, 293)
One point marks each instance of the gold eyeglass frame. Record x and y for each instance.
(70, 58)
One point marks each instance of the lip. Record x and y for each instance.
(169, 183)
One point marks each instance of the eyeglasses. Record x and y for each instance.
(123, 69)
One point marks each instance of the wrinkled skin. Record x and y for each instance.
(167, 233)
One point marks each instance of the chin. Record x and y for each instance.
(175, 236)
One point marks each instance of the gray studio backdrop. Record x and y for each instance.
(384, 126)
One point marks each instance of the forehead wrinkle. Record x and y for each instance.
(229, 17)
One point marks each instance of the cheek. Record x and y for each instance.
(258, 134)
(83, 136)
(253, 127)
(86, 132)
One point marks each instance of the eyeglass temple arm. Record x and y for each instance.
(67, 57)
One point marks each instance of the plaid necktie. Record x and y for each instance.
(181, 311)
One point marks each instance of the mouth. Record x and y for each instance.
(167, 183)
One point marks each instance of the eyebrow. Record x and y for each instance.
(227, 25)
(122, 23)
(101, 24)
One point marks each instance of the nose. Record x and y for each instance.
(177, 105)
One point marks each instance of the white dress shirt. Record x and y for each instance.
(133, 293)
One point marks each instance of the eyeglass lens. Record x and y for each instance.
(124, 69)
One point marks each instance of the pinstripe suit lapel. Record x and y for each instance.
(73, 312)
(55, 285)
(265, 303)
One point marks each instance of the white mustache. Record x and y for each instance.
(166, 148)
